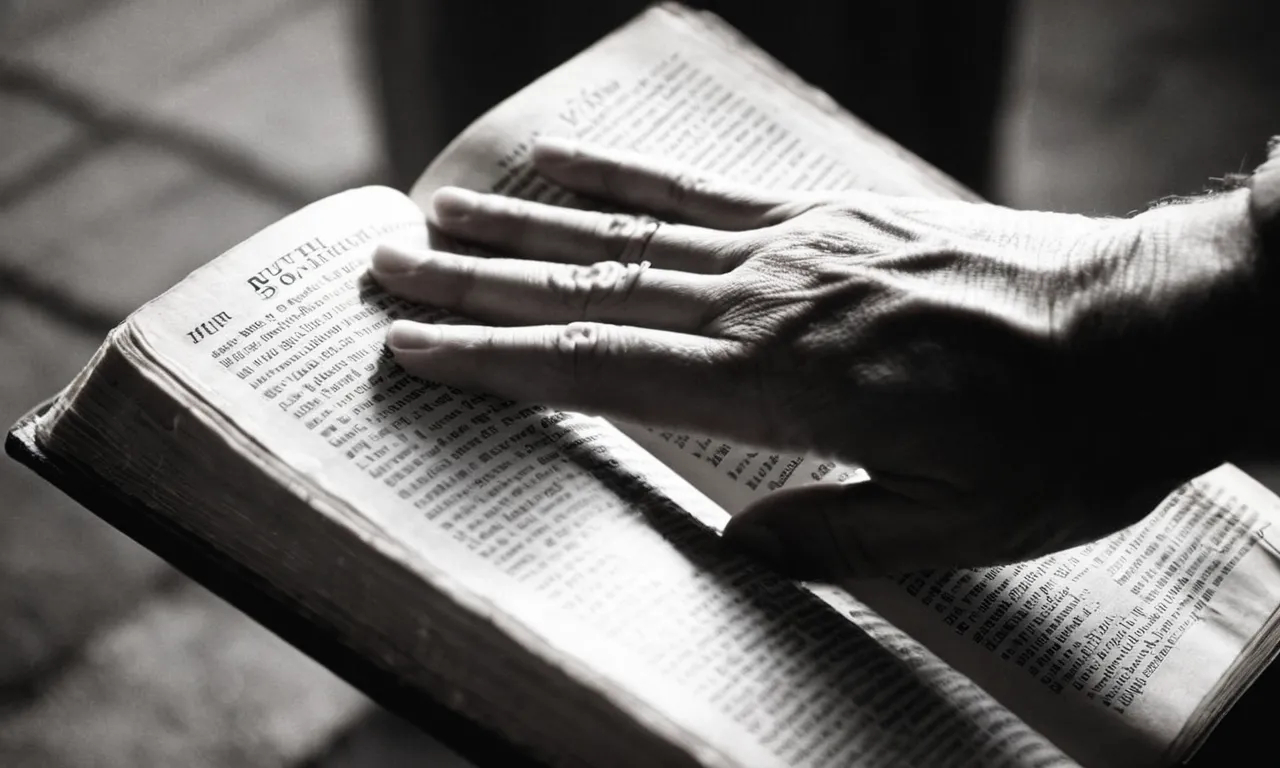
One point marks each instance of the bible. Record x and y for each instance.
(554, 582)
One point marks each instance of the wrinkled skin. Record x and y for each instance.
(1013, 382)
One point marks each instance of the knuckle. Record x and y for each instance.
(582, 347)
(582, 337)
(682, 186)
(587, 288)
(622, 235)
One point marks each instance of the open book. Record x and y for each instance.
(559, 579)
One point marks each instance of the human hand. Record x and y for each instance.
(1013, 382)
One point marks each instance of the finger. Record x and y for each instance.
(654, 377)
(659, 186)
(518, 292)
(860, 529)
(533, 230)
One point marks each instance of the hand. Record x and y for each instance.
(1013, 382)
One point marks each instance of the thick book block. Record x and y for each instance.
(260, 600)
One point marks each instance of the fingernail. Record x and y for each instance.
(407, 336)
(760, 543)
(390, 260)
(454, 205)
(554, 152)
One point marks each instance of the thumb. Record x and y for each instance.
(827, 532)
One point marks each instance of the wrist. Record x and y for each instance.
(1213, 356)
(1165, 350)
(1262, 435)
(1264, 199)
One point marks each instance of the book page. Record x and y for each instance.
(722, 109)
(575, 539)
(1122, 651)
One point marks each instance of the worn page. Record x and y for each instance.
(579, 541)
(1118, 650)
(688, 92)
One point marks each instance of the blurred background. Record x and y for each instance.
(139, 138)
